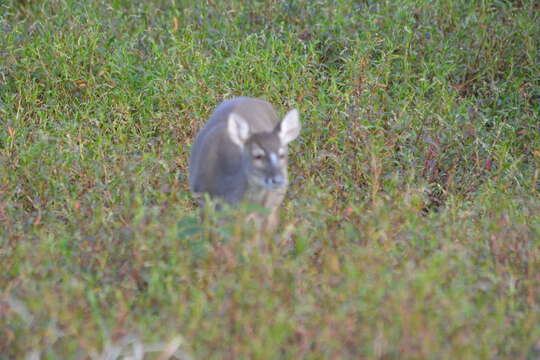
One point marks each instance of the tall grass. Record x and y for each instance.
(411, 228)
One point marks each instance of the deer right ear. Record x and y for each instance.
(289, 128)
(238, 129)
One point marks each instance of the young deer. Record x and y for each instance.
(241, 155)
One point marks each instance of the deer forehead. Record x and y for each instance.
(273, 158)
(266, 143)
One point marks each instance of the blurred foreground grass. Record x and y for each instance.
(411, 229)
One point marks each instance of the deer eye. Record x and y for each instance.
(258, 156)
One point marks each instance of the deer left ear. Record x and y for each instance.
(238, 129)
(289, 128)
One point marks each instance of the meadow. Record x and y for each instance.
(411, 228)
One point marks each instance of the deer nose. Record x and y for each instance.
(276, 181)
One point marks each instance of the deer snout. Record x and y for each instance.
(275, 181)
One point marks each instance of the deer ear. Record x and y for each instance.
(238, 129)
(289, 128)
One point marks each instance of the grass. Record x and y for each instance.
(411, 228)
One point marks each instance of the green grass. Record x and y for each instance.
(412, 225)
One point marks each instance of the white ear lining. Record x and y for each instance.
(289, 128)
(238, 129)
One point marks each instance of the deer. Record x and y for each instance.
(240, 156)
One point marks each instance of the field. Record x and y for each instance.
(411, 229)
